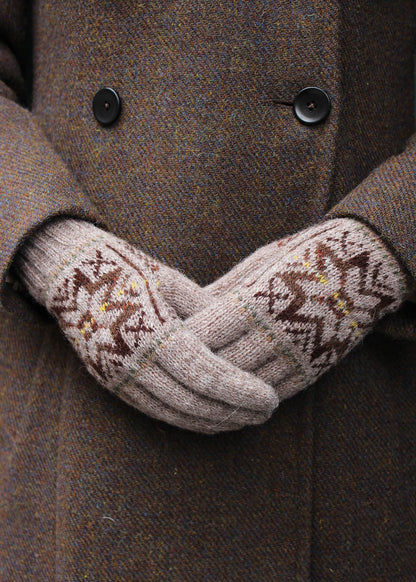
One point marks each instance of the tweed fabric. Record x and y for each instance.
(109, 300)
(200, 171)
(209, 111)
(31, 192)
(386, 199)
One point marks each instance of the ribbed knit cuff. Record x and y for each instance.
(50, 249)
(390, 260)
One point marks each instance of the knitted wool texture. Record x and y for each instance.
(120, 310)
(287, 313)
(296, 307)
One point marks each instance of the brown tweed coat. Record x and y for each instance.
(205, 163)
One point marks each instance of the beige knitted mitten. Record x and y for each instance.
(121, 311)
(302, 304)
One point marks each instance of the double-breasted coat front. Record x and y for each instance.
(206, 162)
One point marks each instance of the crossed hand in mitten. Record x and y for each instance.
(218, 358)
(296, 307)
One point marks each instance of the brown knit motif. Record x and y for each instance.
(325, 299)
(103, 306)
(124, 314)
(294, 310)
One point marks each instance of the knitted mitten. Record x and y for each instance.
(290, 319)
(119, 309)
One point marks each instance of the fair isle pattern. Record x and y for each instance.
(293, 311)
(121, 308)
(117, 307)
(333, 282)
(106, 302)
(299, 307)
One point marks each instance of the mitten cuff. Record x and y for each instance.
(50, 249)
(378, 248)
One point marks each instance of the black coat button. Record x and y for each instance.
(106, 106)
(312, 105)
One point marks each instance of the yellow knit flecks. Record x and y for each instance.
(354, 325)
(87, 325)
(319, 276)
(341, 304)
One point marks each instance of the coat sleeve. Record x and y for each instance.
(386, 201)
(35, 185)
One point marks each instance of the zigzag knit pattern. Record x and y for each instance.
(103, 293)
(313, 299)
(118, 308)
(328, 292)
(290, 312)
(115, 305)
